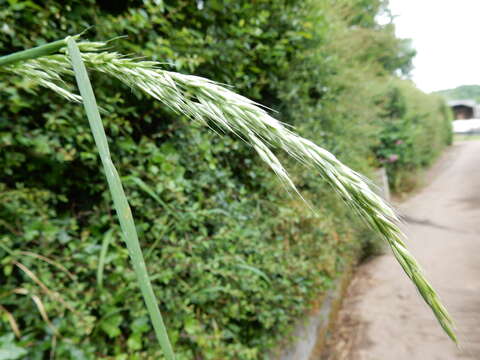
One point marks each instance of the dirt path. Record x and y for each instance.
(383, 318)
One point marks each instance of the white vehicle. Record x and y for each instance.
(471, 126)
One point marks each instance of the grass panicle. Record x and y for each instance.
(207, 102)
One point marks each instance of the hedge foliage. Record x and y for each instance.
(416, 127)
(234, 260)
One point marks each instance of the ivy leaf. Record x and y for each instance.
(111, 325)
(134, 342)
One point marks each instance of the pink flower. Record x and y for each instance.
(392, 158)
(399, 142)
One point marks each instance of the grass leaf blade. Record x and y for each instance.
(107, 238)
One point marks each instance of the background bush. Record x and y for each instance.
(234, 260)
(415, 128)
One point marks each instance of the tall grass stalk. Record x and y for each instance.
(119, 199)
(33, 53)
(207, 102)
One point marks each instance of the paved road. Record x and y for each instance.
(383, 318)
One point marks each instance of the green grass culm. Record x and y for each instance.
(119, 199)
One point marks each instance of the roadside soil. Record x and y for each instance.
(383, 317)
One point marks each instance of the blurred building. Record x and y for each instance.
(465, 109)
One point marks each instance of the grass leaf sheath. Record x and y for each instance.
(119, 199)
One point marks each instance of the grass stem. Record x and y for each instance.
(119, 199)
(32, 53)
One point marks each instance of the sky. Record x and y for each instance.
(446, 35)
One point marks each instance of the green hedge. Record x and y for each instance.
(416, 127)
(235, 260)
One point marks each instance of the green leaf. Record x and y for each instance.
(111, 325)
(103, 254)
(254, 270)
(134, 342)
(9, 350)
